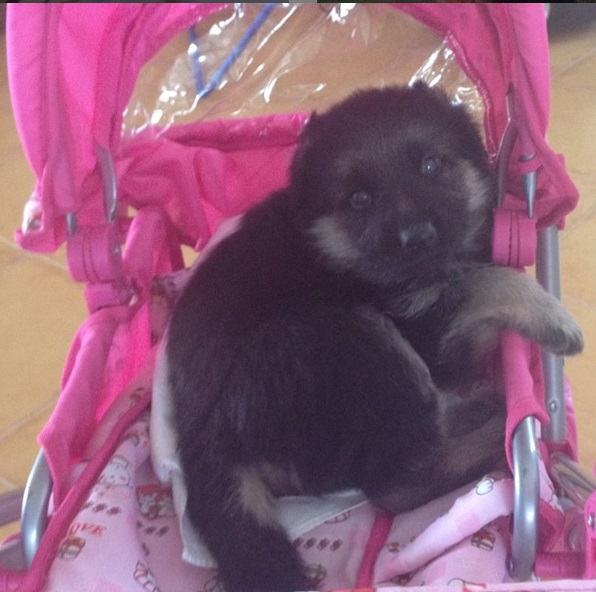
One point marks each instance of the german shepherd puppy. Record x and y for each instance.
(324, 344)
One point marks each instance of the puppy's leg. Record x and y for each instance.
(231, 508)
(474, 445)
(474, 436)
(497, 299)
(467, 436)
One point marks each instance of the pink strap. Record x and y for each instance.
(11, 581)
(522, 376)
(376, 541)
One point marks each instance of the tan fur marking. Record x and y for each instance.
(414, 304)
(334, 241)
(280, 482)
(477, 185)
(254, 496)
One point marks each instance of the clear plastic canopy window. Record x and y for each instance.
(255, 59)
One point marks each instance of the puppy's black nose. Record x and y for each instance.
(417, 236)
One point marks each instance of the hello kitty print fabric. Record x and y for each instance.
(126, 537)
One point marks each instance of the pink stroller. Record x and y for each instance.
(149, 125)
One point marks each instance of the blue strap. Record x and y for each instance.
(202, 89)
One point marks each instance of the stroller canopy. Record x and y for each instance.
(73, 70)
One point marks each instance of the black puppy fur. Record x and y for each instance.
(319, 346)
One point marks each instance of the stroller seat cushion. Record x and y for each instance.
(131, 520)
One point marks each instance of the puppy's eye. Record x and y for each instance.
(430, 165)
(360, 200)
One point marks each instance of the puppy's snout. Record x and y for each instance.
(422, 235)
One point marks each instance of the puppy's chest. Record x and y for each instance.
(424, 335)
(425, 330)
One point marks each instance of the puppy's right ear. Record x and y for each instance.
(313, 119)
(303, 173)
(300, 158)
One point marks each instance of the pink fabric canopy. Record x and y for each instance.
(73, 67)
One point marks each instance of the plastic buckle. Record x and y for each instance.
(94, 254)
(514, 238)
(514, 231)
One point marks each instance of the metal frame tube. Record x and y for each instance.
(524, 542)
(36, 499)
(548, 273)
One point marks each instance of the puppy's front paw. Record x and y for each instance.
(563, 336)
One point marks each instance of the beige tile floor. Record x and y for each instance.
(41, 307)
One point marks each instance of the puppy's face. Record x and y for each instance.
(393, 183)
